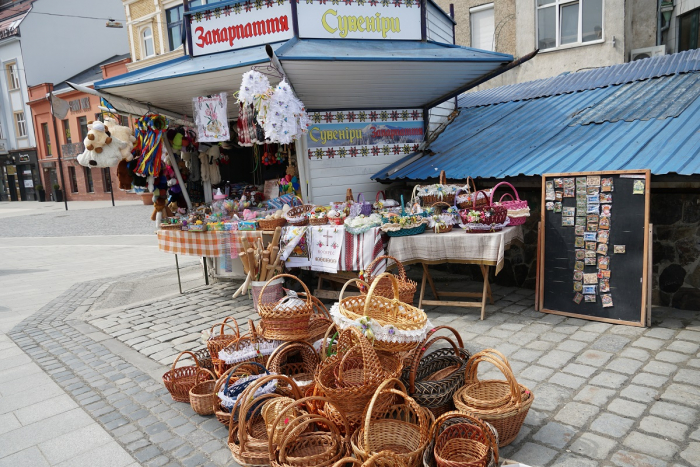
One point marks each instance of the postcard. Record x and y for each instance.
(567, 221)
(619, 249)
(592, 190)
(569, 183)
(589, 254)
(603, 262)
(606, 198)
(568, 211)
(568, 192)
(605, 223)
(603, 236)
(591, 278)
(589, 289)
(591, 227)
(549, 195)
(589, 261)
(578, 275)
(581, 221)
(579, 266)
(607, 300)
(589, 298)
(579, 230)
(558, 195)
(606, 274)
(557, 206)
(549, 206)
(606, 184)
(581, 181)
(593, 199)
(593, 209)
(605, 210)
(602, 249)
(577, 286)
(593, 180)
(578, 297)
(589, 237)
(558, 183)
(604, 285)
(578, 242)
(592, 218)
(590, 245)
(638, 187)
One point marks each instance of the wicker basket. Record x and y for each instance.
(462, 445)
(283, 322)
(385, 312)
(467, 201)
(455, 418)
(298, 360)
(380, 459)
(232, 375)
(498, 213)
(354, 389)
(319, 322)
(271, 224)
(249, 347)
(271, 410)
(433, 379)
(247, 436)
(204, 359)
(177, 226)
(179, 381)
(403, 430)
(318, 220)
(430, 199)
(504, 404)
(299, 215)
(203, 398)
(417, 230)
(407, 287)
(217, 342)
(518, 210)
(309, 440)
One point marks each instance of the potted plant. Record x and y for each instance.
(42, 194)
(57, 193)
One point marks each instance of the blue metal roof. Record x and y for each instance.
(634, 129)
(589, 79)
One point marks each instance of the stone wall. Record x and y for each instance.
(676, 250)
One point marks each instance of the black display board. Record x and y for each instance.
(627, 219)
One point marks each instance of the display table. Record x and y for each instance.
(486, 250)
(213, 244)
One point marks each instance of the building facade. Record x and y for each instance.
(34, 42)
(81, 183)
(571, 35)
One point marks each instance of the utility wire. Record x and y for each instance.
(58, 14)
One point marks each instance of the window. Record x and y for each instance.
(47, 138)
(147, 49)
(12, 76)
(106, 180)
(73, 179)
(88, 180)
(82, 124)
(481, 22)
(66, 131)
(20, 124)
(173, 19)
(689, 30)
(564, 22)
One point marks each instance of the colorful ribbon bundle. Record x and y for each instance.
(149, 144)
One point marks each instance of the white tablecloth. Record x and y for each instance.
(455, 247)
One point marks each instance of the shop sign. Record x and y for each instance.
(28, 183)
(24, 157)
(360, 19)
(240, 25)
(364, 133)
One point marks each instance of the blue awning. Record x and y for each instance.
(652, 122)
(326, 74)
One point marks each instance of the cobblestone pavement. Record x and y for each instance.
(604, 394)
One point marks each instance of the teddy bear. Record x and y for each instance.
(122, 133)
(160, 206)
(124, 175)
(101, 150)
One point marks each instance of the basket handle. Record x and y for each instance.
(306, 289)
(370, 293)
(420, 351)
(319, 307)
(325, 339)
(221, 330)
(473, 185)
(443, 178)
(224, 378)
(442, 204)
(341, 365)
(493, 190)
(286, 347)
(252, 363)
(473, 367)
(361, 195)
(348, 460)
(401, 392)
(435, 428)
(401, 271)
(355, 279)
(296, 427)
(504, 195)
(376, 198)
(196, 362)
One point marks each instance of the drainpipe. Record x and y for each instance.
(660, 19)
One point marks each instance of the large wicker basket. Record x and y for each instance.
(203, 398)
(443, 192)
(504, 404)
(451, 419)
(232, 375)
(385, 312)
(407, 287)
(179, 381)
(249, 346)
(433, 379)
(299, 215)
(298, 360)
(216, 343)
(518, 210)
(284, 321)
(271, 224)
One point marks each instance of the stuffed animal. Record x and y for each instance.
(124, 175)
(101, 150)
(160, 206)
(122, 133)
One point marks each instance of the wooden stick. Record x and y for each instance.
(244, 286)
(275, 253)
(276, 237)
(244, 260)
(263, 270)
(244, 243)
(251, 260)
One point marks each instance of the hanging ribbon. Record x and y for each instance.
(149, 140)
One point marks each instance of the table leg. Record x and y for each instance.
(422, 288)
(485, 272)
(430, 280)
(206, 273)
(486, 292)
(177, 268)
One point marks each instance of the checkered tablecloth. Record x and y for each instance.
(204, 244)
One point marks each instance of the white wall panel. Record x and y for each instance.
(439, 27)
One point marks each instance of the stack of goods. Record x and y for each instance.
(260, 264)
(216, 343)
(288, 318)
(385, 287)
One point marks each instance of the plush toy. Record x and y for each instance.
(209, 168)
(97, 137)
(101, 150)
(124, 175)
(122, 133)
(159, 206)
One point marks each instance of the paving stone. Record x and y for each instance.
(635, 353)
(569, 460)
(635, 459)
(674, 412)
(648, 343)
(610, 343)
(550, 396)
(651, 445)
(147, 453)
(671, 357)
(639, 393)
(584, 336)
(683, 394)
(612, 425)
(527, 355)
(688, 376)
(536, 373)
(570, 381)
(683, 347)
(609, 380)
(555, 434)
(692, 454)
(580, 370)
(627, 408)
(555, 359)
(647, 379)
(624, 365)
(689, 336)
(665, 428)
(596, 358)
(660, 333)
(534, 454)
(660, 368)
(593, 446)
(572, 346)
(576, 413)
(594, 395)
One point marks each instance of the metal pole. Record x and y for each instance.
(111, 187)
(177, 267)
(176, 169)
(60, 162)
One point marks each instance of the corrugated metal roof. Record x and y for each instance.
(539, 136)
(585, 80)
